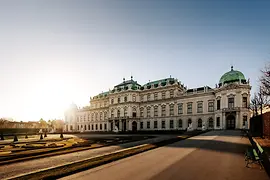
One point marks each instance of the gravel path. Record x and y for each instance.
(7, 171)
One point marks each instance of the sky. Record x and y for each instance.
(56, 52)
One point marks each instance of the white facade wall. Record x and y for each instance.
(137, 99)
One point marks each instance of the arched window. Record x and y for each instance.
(155, 111)
(189, 121)
(211, 123)
(101, 115)
(125, 112)
(134, 112)
(112, 101)
(118, 113)
(199, 123)
(171, 109)
(125, 98)
(180, 123)
(163, 110)
(112, 113)
(105, 115)
(148, 111)
(141, 112)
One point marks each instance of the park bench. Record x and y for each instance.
(254, 155)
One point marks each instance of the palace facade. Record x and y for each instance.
(165, 104)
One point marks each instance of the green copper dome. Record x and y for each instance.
(232, 76)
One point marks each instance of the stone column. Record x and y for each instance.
(223, 121)
(120, 125)
(237, 121)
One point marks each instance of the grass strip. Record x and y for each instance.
(41, 154)
(68, 169)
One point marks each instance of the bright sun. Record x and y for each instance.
(48, 98)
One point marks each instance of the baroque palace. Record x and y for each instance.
(165, 105)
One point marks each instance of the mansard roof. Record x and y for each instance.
(127, 83)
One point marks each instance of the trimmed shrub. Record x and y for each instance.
(15, 138)
(2, 137)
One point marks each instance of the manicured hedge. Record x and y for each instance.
(11, 131)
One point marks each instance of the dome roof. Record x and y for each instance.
(232, 76)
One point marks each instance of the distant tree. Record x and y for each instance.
(43, 123)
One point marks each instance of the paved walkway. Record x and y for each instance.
(216, 155)
(7, 171)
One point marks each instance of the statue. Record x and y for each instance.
(203, 127)
(190, 127)
(116, 129)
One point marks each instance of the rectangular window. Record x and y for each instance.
(92, 126)
(156, 96)
(148, 97)
(218, 104)
(180, 123)
(244, 121)
(78, 127)
(163, 95)
(245, 102)
(71, 128)
(142, 98)
(171, 109)
(155, 124)
(199, 107)
(96, 127)
(163, 124)
(105, 126)
(218, 122)
(171, 94)
(210, 106)
(189, 108)
(141, 125)
(156, 111)
(230, 103)
(148, 124)
(100, 127)
(171, 124)
(163, 110)
(180, 108)
(89, 127)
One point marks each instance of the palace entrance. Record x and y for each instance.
(134, 126)
(230, 122)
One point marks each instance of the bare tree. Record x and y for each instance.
(254, 104)
(265, 80)
(262, 99)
